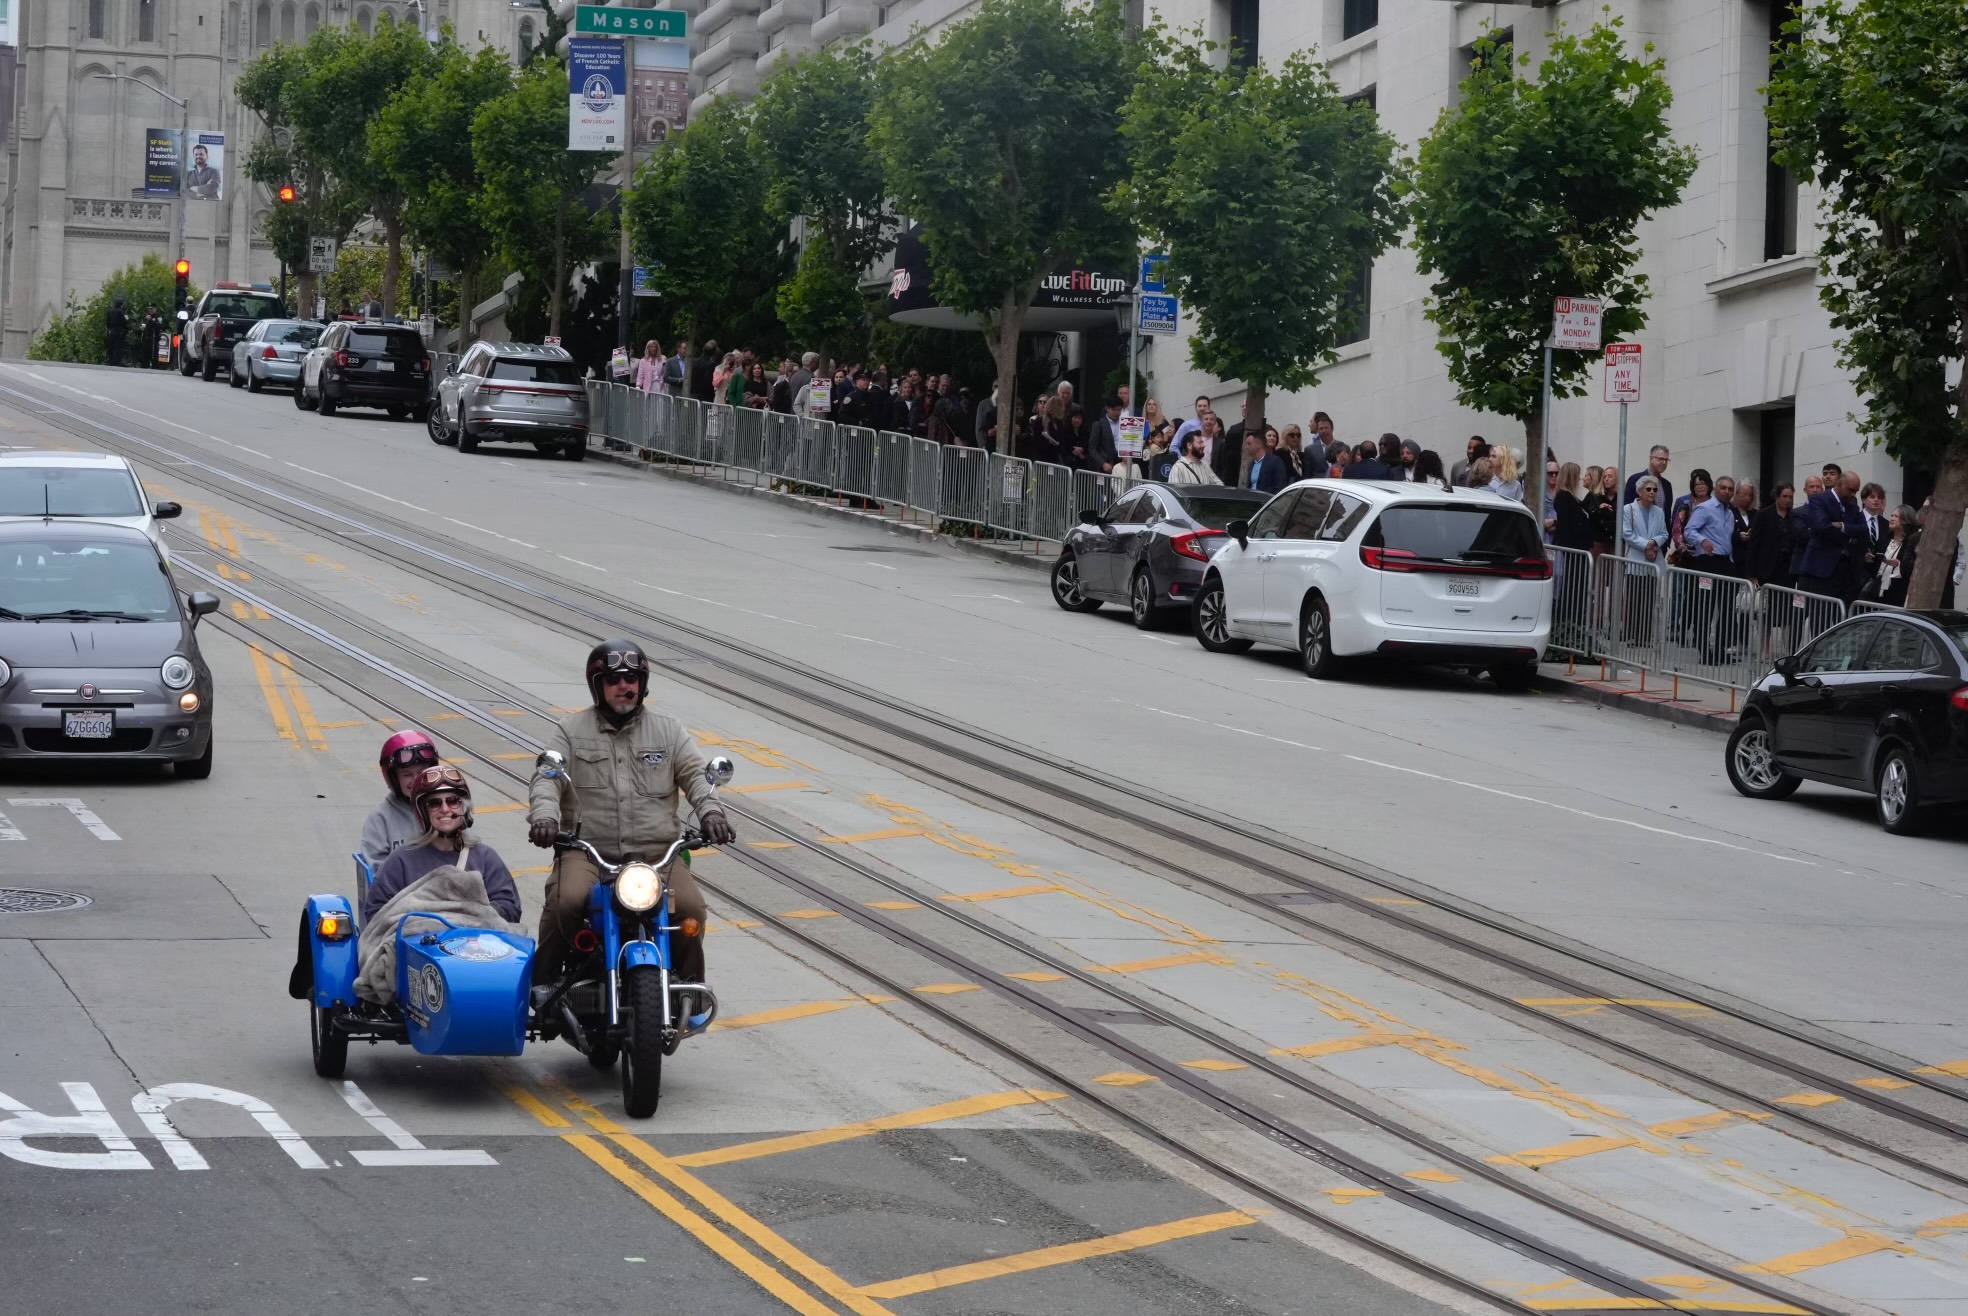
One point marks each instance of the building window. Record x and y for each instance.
(287, 22)
(1356, 308)
(1358, 16)
(365, 20)
(310, 20)
(99, 19)
(232, 25)
(774, 37)
(881, 15)
(1779, 184)
(525, 40)
(146, 20)
(263, 26)
(1500, 51)
(826, 7)
(1370, 98)
(1776, 449)
(1243, 33)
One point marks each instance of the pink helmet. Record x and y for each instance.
(405, 749)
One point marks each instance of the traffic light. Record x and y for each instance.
(183, 272)
(287, 194)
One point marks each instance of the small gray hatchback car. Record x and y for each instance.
(98, 653)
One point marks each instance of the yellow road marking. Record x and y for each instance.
(947, 988)
(894, 904)
(1856, 1243)
(1124, 1079)
(810, 913)
(787, 1013)
(892, 834)
(1215, 1066)
(1160, 962)
(1037, 975)
(538, 1109)
(1808, 1099)
(1703, 1123)
(1609, 1303)
(1883, 1084)
(520, 872)
(949, 1110)
(509, 712)
(1339, 1045)
(1341, 1196)
(1948, 1225)
(763, 755)
(1432, 1176)
(500, 808)
(1004, 893)
(1952, 1068)
(756, 787)
(522, 754)
(269, 687)
(1065, 1253)
(341, 726)
(769, 845)
(699, 1228)
(1538, 1157)
(774, 1244)
(1395, 900)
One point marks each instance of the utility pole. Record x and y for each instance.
(184, 133)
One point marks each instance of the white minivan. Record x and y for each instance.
(1340, 569)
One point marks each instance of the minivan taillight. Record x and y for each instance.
(1188, 543)
(1960, 699)
(1531, 568)
(1389, 559)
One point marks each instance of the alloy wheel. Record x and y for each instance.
(1893, 789)
(1209, 613)
(1754, 762)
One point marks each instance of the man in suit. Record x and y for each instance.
(1367, 464)
(1266, 472)
(1103, 440)
(1851, 571)
(1656, 467)
(1821, 567)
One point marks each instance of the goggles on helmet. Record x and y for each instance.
(410, 756)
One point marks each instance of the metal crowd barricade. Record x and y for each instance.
(1633, 594)
(720, 419)
(1791, 619)
(892, 470)
(1712, 635)
(925, 476)
(746, 435)
(964, 494)
(816, 453)
(1095, 492)
(854, 460)
(1052, 510)
(1865, 605)
(781, 446)
(1575, 612)
(1008, 486)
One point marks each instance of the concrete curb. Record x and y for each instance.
(1040, 561)
(1640, 705)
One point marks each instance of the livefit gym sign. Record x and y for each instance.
(1075, 296)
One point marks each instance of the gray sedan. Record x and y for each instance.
(1148, 550)
(271, 353)
(98, 655)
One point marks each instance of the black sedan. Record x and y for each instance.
(1148, 550)
(1878, 703)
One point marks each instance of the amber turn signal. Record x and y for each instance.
(691, 927)
(334, 926)
(188, 702)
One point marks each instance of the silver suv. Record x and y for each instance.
(513, 392)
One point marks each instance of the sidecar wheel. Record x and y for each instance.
(603, 1057)
(330, 1046)
(642, 1055)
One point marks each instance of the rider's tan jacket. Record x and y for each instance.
(622, 783)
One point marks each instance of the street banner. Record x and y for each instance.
(1576, 323)
(1128, 443)
(204, 180)
(1622, 372)
(160, 162)
(597, 94)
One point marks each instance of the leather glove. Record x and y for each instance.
(542, 832)
(717, 828)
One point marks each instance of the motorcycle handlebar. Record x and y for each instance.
(568, 841)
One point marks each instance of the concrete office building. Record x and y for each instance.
(74, 210)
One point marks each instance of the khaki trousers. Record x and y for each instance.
(565, 912)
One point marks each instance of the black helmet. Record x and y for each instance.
(622, 655)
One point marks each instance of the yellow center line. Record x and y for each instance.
(513, 807)
(1341, 1045)
(894, 904)
(291, 679)
(1952, 1068)
(270, 688)
(1856, 1243)
(1124, 1078)
(892, 834)
(537, 1108)
(949, 1110)
(1808, 1099)
(1160, 962)
(1065, 1253)
(756, 787)
(1949, 1225)
(1538, 1157)
(1003, 893)
(1883, 1084)
(1215, 1066)
(1432, 1176)
(787, 1013)
(1703, 1123)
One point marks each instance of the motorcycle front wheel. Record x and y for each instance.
(642, 1050)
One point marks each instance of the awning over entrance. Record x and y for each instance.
(1075, 297)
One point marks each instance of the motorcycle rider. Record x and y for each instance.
(625, 767)
(394, 823)
(442, 799)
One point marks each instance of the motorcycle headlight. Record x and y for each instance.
(638, 887)
(177, 672)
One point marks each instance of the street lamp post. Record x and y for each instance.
(184, 131)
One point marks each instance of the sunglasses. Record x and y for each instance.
(446, 802)
(622, 678)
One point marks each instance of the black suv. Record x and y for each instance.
(223, 316)
(367, 364)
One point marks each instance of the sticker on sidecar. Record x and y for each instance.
(426, 992)
(481, 949)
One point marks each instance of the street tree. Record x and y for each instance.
(80, 331)
(1871, 104)
(1530, 190)
(535, 196)
(416, 139)
(324, 206)
(698, 216)
(1003, 140)
(1270, 194)
(347, 78)
(811, 125)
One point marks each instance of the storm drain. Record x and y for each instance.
(28, 900)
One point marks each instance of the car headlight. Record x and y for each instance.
(6, 672)
(177, 672)
(637, 887)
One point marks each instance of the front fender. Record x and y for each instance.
(642, 954)
(335, 962)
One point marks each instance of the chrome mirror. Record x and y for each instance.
(718, 770)
(550, 765)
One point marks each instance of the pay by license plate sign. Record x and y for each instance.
(1465, 589)
(88, 724)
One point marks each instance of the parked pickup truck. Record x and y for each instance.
(223, 316)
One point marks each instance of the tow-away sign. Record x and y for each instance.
(1622, 372)
(1575, 323)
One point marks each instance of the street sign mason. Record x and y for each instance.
(1575, 323)
(613, 21)
(1622, 372)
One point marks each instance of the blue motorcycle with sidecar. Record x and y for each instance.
(466, 991)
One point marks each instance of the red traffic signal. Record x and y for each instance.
(287, 194)
(183, 270)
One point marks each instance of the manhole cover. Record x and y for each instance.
(879, 548)
(27, 900)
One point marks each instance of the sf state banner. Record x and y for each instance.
(597, 94)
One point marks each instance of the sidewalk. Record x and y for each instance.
(1686, 702)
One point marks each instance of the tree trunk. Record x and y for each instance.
(1534, 462)
(1009, 324)
(467, 330)
(392, 260)
(1935, 558)
(1255, 397)
(306, 282)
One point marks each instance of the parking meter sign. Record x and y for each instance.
(1622, 372)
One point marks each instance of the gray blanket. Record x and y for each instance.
(456, 893)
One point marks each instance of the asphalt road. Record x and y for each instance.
(1619, 833)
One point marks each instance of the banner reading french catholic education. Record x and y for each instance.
(597, 94)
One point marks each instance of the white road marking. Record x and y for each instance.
(880, 566)
(83, 813)
(91, 1120)
(720, 603)
(577, 562)
(9, 832)
(408, 1150)
(255, 451)
(151, 1104)
(1295, 744)
(373, 493)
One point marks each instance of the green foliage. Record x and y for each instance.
(418, 139)
(324, 205)
(1871, 104)
(533, 197)
(78, 333)
(360, 268)
(1269, 194)
(698, 210)
(1525, 192)
(1004, 140)
(810, 125)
